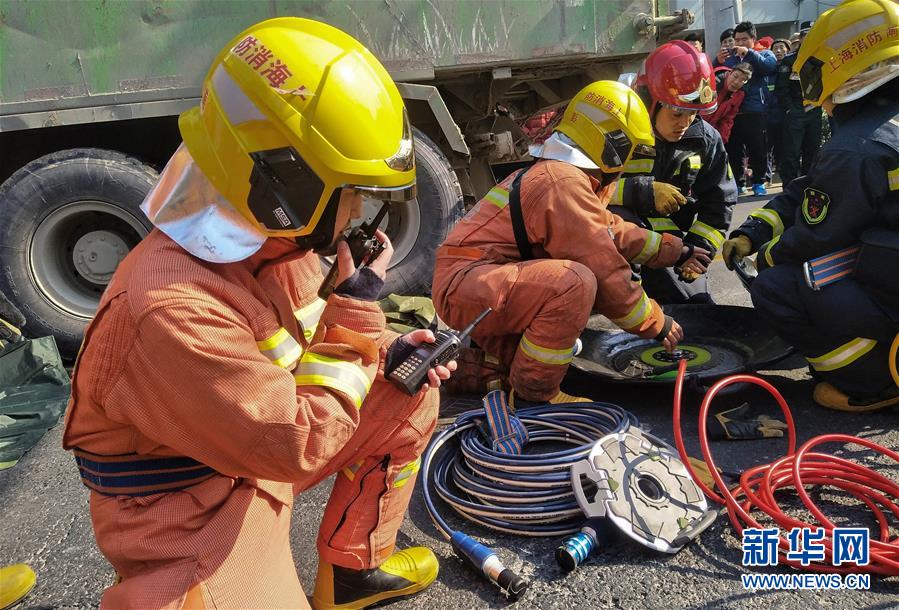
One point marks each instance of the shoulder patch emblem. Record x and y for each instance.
(814, 205)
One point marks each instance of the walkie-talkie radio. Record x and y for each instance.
(364, 247)
(412, 372)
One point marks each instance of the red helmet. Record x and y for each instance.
(679, 76)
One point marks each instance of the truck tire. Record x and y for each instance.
(418, 227)
(69, 218)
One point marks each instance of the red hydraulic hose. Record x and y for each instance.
(796, 470)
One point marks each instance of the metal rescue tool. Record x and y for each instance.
(637, 482)
(364, 247)
(412, 372)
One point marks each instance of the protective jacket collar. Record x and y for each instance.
(185, 206)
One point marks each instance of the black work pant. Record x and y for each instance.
(802, 139)
(841, 329)
(748, 134)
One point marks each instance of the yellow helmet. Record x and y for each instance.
(609, 122)
(845, 41)
(292, 111)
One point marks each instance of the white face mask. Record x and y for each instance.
(864, 82)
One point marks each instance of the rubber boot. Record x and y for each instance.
(404, 573)
(15, 583)
(827, 395)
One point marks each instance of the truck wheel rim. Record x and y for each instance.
(401, 225)
(75, 250)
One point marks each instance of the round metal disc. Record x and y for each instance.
(641, 486)
(693, 354)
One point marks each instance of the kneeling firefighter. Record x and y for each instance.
(214, 384)
(838, 303)
(687, 189)
(543, 250)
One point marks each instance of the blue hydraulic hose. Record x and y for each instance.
(527, 494)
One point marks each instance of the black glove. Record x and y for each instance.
(364, 285)
(398, 351)
(739, 424)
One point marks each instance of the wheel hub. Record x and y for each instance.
(97, 254)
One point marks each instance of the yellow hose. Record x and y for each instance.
(893, 349)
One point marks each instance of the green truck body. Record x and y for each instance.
(99, 83)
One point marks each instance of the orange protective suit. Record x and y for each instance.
(582, 254)
(240, 367)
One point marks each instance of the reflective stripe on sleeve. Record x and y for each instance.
(545, 355)
(844, 355)
(650, 248)
(406, 473)
(640, 312)
(639, 166)
(708, 233)
(618, 195)
(281, 349)
(662, 224)
(498, 196)
(695, 161)
(308, 317)
(771, 217)
(767, 247)
(339, 375)
(893, 177)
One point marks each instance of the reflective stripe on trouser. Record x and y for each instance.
(365, 511)
(840, 329)
(540, 309)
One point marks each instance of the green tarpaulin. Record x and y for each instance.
(34, 389)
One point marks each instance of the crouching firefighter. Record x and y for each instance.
(828, 247)
(687, 189)
(214, 384)
(542, 249)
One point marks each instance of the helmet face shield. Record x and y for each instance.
(400, 194)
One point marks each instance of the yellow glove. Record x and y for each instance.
(668, 199)
(734, 249)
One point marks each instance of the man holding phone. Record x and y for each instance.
(750, 124)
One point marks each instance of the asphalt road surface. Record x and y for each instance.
(45, 521)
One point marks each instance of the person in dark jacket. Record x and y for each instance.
(687, 189)
(845, 321)
(802, 126)
(749, 131)
(775, 113)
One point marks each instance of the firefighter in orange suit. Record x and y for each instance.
(543, 250)
(213, 384)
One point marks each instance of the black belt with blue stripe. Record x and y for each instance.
(131, 474)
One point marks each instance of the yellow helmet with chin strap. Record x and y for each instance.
(292, 111)
(845, 41)
(608, 121)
